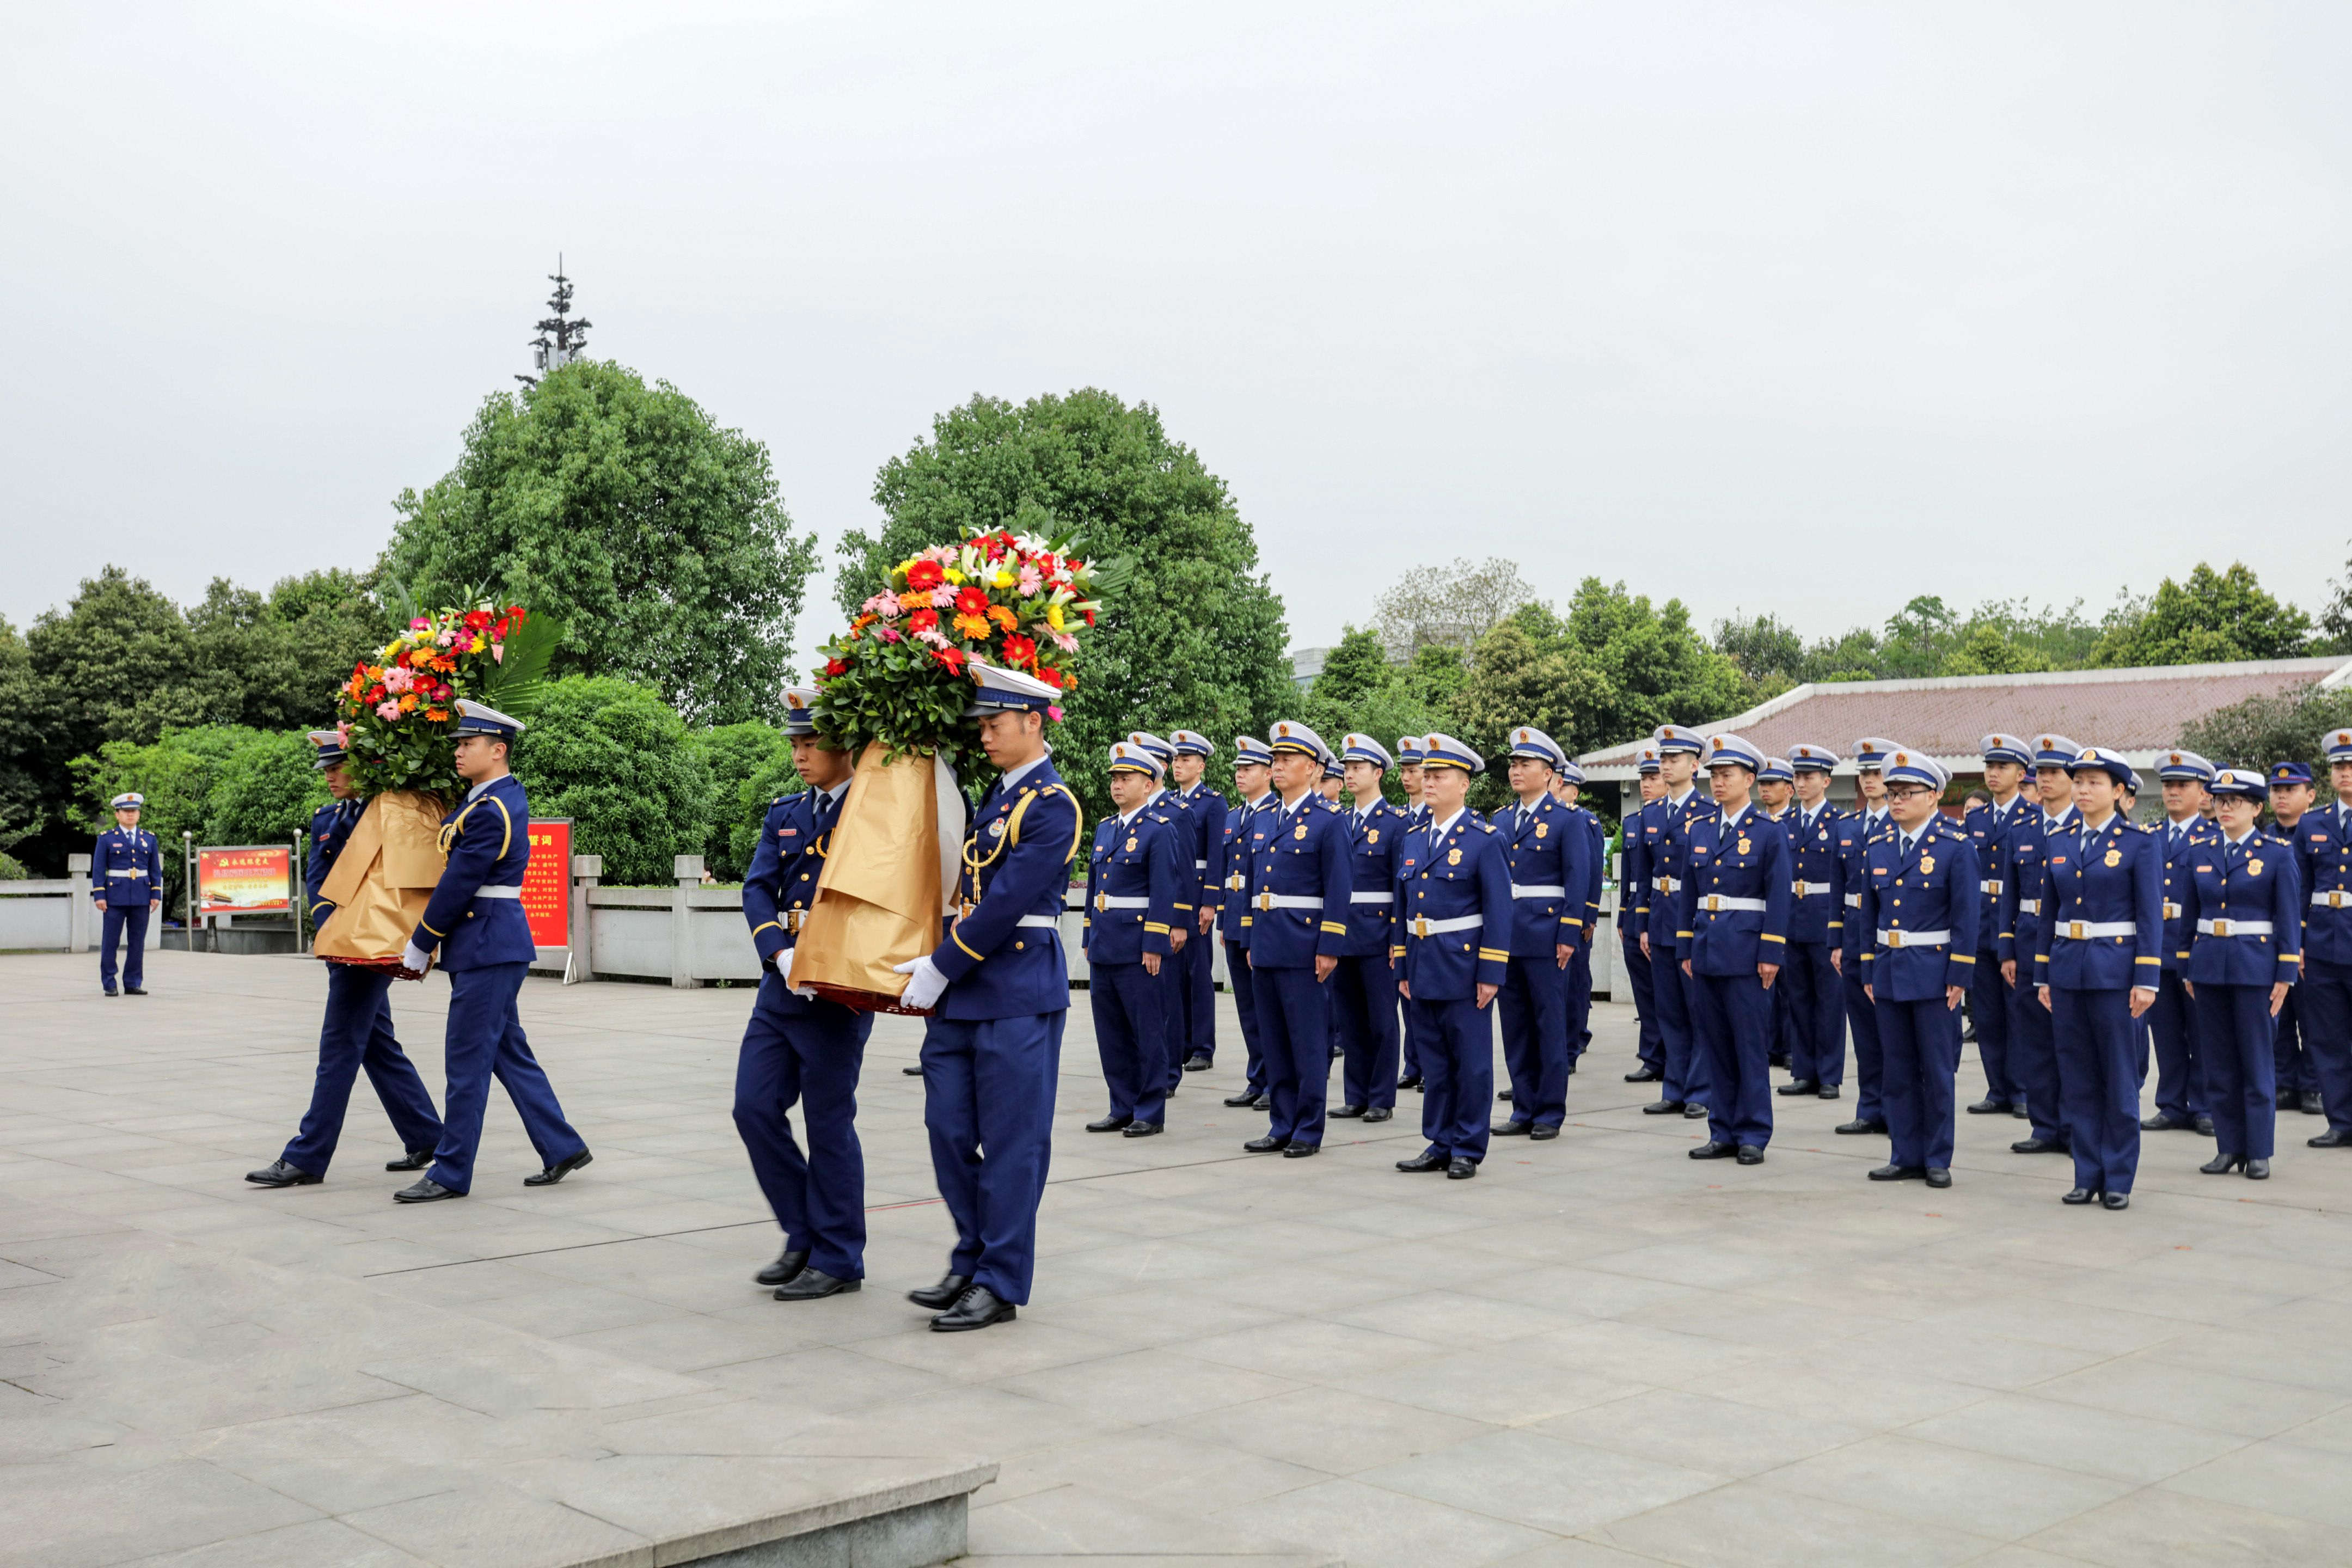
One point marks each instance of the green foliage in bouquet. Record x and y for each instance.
(398, 711)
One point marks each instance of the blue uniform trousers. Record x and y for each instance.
(1734, 1019)
(357, 1033)
(810, 1056)
(1988, 1004)
(484, 1040)
(2289, 1061)
(1649, 1044)
(988, 1084)
(2033, 1059)
(1196, 1004)
(2233, 1039)
(1578, 1003)
(2098, 1044)
(1457, 1069)
(1919, 1044)
(1411, 1069)
(2180, 1069)
(1869, 1069)
(2325, 1020)
(1294, 1030)
(1815, 1009)
(1130, 1010)
(1534, 1005)
(1364, 1000)
(1686, 1065)
(1242, 979)
(110, 930)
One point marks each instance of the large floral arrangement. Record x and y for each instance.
(397, 711)
(899, 675)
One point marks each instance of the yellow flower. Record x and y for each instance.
(973, 628)
(1003, 578)
(954, 575)
(1054, 617)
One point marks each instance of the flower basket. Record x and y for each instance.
(383, 880)
(888, 881)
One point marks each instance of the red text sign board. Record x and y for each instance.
(547, 882)
(254, 880)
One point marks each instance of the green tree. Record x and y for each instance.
(2262, 731)
(1359, 692)
(264, 790)
(1983, 650)
(615, 759)
(20, 790)
(1194, 636)
(658, 538)
(1653, 666)
(1520, 675)
(178, 772)
(2213, 617)
(734, 755)
(1762, 647)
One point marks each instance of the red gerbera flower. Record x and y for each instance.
(971, 601)
(926, 574)
(953, 657)
(1050, 676)
(476, 619)
(836, 666)
(923, 621)
(1019, 650)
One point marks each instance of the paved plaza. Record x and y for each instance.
(1598, 1353)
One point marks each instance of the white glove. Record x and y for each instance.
(415, 958)
(923, 989)
(785, 964)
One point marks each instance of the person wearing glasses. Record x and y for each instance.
(2242, 908)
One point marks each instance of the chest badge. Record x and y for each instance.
(1454, 857)
(2254, 868)
(1926, 864)
(1371, 835)
(1542, 828)
(1741, 847)
(1130, 844)
(2114, 858)
(996, 828)
(1299, 831)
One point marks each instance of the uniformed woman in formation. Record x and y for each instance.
(2241, 912)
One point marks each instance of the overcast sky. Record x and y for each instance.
(1798, 308)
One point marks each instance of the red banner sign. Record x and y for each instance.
(547, 882)
(254, 880)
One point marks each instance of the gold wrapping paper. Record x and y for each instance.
(879, 899)
(382, 882)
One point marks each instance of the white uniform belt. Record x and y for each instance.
(1912, 938)
(2171, 910)
(1286, 901)
(1810, 890)
(1666, 884)
(1720, 903)
(2029, 905)
(1200, 865)
(2234, 928)
(1537, 891)
(2339, 899)
(1989, 885)
(1853, 900)
(1049, 921)
(1424, 927)
(1105, 902)
(1237, 882)
(2087, 931)
(500, 892)
(142, 873)
(1371, 898)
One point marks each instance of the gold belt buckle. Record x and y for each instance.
(1714, 902)
(2074, 931)
(2221, 928)
(2335, 899)
(1265, 900)
(1893, 938)
(1102, 902)
(1421, 926)
(963, 909)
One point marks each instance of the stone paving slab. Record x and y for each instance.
(1597, 1352)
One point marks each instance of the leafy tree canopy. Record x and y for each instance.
(615, 759)
(2262, 731)
(1450, 606)
(735, 755)
(2212, 617)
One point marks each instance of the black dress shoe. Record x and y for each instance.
(1109, 1124)
(1750, 1155)
(811, 1283)
(2333, 1138)
(1989, 1107)
(1937, 1176)
(2116, 1200)
(2288, 1099)
(2311, 1104)
(1345, 1113)
(278, 1173)
(559, 1170)
(1413, 1082)
(1799, 1086)
(1300, 1151)
(1503, 1095)
(110, 990)
(2222, 1164)
(1246, 1096)
(1196, 1062)
(1778, 1059)
(2018, 1111)
(2205, 1125)
(1829, 1093)
(2038, 1146)
(1379, 1114)
(424, 1191)
(2257, 1170)
(2163, 1122)
(1512, 1129)
(1461, 1169)
(915, 1071)
(1662, 1107)
(2080, 1197)
(1264, 1102)
(1713, 1150)
(1429, 1160)
(939, 1297)
(975, 1309)
(1860, 1125)
(1540, 1133)
(134, 991)
(1899, 1174)
(1643, 1075)
(1268, 1145)
(1141, 1128)
(415, 1160)
(1693, 1111)
(786, 1266)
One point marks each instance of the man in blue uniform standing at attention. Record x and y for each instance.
(1452, 910)
(1253, 793)
(1196, 979)
(2024, 906)
(1854, 831)
(2323, 851)
(1665, 828)
(1548, 854)
(357, 1030)
(1813, 1005)
(1363, 988)
(2172, 1022)
(2006, 760)
(1132, 938)
(1165, 805)
(1734, 912)
(1001, 988)
(474, 925)
(126, 882)
(1633, 897)
(1300, 883)
(798, 1047)
(1416, 814)
(1567, 784)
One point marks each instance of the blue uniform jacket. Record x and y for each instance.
(1632, 878)
(1298, 854)
(2323, 853)
(1666, 829)
(1371, 879)
(1016, 864)
(1935, 888)
(2118, 883)
(126, 867)
(1596, 865)
(331, 829)
(1142, 862)
(1816, 883)
(2178, 870)
(2025, 887)
(1233, 867)
(1989, 828)
(1853, 833)
(1740, 863)
(1460, 876)
(1547, 850)
(487, 840)
(781, 885)
(2228, 884)
(1206, 850)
